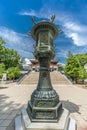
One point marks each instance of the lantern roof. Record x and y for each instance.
(44, 25)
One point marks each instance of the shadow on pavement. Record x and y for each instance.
(8, 110)
(72, 107)
(3, 87)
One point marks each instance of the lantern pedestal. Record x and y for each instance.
(64, 122)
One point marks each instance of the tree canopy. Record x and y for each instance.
(82, 58)
(75, 66)
(9, 57)
(9, 61)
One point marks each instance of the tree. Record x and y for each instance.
(2, 69)
(10, 60)
(82, 58)
(70, 54)
(74, 67)
(82, 73)
(2, 49)
(9, 57)
(1, 41)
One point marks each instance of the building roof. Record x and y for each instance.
(35, 61)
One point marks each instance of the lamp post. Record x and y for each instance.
(44, 111)
(44, 104)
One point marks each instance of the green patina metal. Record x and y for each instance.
(44, 104)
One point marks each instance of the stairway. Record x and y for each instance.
(56, 78)
(31, 78)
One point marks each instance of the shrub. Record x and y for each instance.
(2, 69)
(1, 75)
(13, 73)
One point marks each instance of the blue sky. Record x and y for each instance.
(71, 17)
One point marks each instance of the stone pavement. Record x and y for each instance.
(13, 97)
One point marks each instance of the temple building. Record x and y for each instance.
(35, 65)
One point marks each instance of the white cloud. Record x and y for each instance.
(72, 29)
(62, 53)
(44, 12)
(30, 13)
(20, 42)
(9, 35)
(77, 32)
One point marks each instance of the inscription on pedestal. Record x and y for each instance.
(45, 114)
(45, 103)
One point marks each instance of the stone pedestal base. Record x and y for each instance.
(23, 122)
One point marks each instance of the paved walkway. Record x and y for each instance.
(13, 97)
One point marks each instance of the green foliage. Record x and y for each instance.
(70, 54)
(2, 49)
(1, 41)
(72, 67)
(2, 69)
(60, 68)
(82, 73)
(13, 73)
(9, 57)
(75, 66)
(82, 58)
(11, 61)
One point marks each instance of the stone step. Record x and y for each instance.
(56, 78)
(18, 123)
